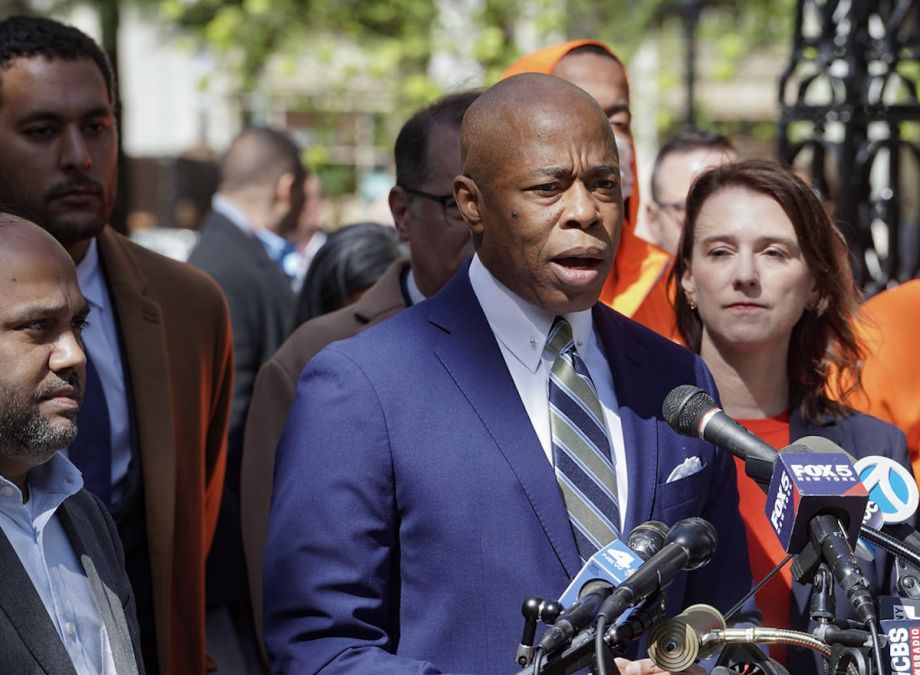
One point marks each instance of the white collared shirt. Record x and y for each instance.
(280, 250)
(415, 294)
(521, 330)
(100, 339)
(45, 551)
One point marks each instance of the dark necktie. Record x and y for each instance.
(91, 451)
(581, 446)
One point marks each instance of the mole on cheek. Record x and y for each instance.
(514, 215)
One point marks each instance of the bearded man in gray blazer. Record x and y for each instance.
(66, 604)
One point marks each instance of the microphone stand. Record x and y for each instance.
(583, 652)
(579, 654)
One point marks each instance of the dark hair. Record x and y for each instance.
(351, 260)
(411, 151)
(685, 141)
(25, 37)
(597, 50)
(261, 155)
(824, 342)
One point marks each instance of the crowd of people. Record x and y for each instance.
(365, 464)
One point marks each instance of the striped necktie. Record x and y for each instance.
(581, 446)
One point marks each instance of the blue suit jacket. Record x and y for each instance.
(414, 509)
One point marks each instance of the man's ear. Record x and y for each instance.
(469, 201)
(651, 220)
(284, 189)
(686, 283)
(399, 206)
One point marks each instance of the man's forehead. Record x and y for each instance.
(53, 83)
(601, 76)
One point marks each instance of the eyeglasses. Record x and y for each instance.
(448, 204)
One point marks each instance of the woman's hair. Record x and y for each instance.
(824, 344)
(350, 261)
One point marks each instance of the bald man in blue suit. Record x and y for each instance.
(416, 503)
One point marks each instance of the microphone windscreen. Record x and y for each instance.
(684, 406)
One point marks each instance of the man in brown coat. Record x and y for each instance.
(157, 342)
(427, 157)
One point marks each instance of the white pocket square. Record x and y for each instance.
(688, 467)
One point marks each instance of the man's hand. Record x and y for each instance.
(646, 667)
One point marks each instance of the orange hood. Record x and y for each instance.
(638, 264)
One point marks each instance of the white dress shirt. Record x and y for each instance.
(415, 294)
(522, 330)
(100, 339)
(282, 252)
(38, 538)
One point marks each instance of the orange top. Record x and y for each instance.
(774, 599)
(637, 285)
(891, 373)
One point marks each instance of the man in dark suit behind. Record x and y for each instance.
(424, 484)
(66, 604)
(427, 158)
(242, 246)
(152, 445)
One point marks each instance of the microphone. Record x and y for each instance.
(814, 476)
(575, 618)
(690, 544)
(893, 492)
(647, 538)
(808, 502)
(690, 411)
(605, 569)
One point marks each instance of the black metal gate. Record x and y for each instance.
(850, 120)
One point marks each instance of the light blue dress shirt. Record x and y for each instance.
(38, 538)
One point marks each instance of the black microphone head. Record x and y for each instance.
(816, 445)
(595, 586)
(698, 536)
(684, 406)
(648, 538)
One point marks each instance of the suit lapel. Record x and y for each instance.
(26, 612)
(144, 341)
(81, 533)
(627, 359)
(473, 359)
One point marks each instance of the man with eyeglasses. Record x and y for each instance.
(680, 160)
(427, 156)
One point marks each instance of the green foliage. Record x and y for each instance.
(398, 38)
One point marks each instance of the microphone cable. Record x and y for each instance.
(876, 647)
(763, 582)
(600, 647)
(891, 544)
(537, 661)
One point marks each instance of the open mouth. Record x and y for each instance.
(578, 270)
(578, 263)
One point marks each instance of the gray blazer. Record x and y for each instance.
(29, 642)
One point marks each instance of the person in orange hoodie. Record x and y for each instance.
(890, 375)
(637, 284)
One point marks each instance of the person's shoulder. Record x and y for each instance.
(311, 336)
(223, 248)
(872, 428)
(653, 343)
(121, 257)
(895, 303)
(93, 510)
